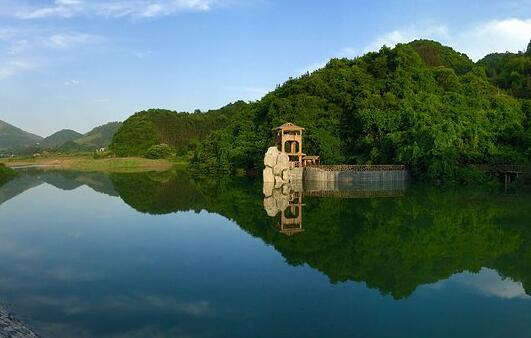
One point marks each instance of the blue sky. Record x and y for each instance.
(80, 63)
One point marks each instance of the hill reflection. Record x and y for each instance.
(394, 242)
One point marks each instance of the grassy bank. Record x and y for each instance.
(5, 174)
(127, 164)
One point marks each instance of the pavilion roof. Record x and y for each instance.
(288, 126)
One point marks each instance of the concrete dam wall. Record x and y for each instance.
(350, 175)
(355, 174)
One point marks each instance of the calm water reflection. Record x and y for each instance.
(161, 254)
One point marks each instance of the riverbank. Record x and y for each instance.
(109, 165)
(5, 174)
(10, 327)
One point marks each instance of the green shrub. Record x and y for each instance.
(97, 155)
(159, 151)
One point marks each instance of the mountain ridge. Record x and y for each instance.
(13, 138)
(60, 137)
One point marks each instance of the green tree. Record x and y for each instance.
(159, 151)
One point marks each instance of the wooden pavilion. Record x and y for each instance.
(289, 138)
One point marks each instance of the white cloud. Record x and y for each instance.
(476, 41)
(142, 54)
(71, 83)
(436, 32)
(25, 49)
(13, 66)
(493, 36)
(65, 40)
(114, 8)
(311, 68)
(489, 283)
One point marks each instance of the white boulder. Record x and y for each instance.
(268, 189)
(283, 160)
(279, 182)
(270, 158)
(270, 206)
(268, 175)
(286, 175)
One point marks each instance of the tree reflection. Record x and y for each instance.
(393, 241)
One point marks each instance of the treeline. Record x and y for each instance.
(396, 244)
(391, 244)
(421, 104)
(181, 131)
(510, 71)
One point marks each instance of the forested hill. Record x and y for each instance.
(70, 141)
(59, 138)
(100, 136)
(181, 131)
(420, 104)
(510, 71)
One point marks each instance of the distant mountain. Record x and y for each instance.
(100, 136)
(60, 138)
(13, 138)
(68, 141)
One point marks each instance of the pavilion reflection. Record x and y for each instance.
(285, 201)
(291, 217)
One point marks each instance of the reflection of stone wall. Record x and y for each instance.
(358, 185)
(276, 169)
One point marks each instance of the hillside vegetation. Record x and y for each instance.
(59, 138)
(510, 71)
(70, 141)
(100, 136)
(420, 104)
(181, 131)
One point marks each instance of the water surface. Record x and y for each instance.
(163, 254)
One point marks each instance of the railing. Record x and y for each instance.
(520, 169)
(353, 194)
(504, 168)
(367, 167)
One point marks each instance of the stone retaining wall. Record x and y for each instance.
(352, 176)
(360, 167)
(276, 167)
(279, 171)
(297, 174)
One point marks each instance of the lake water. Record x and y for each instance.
(166, 255)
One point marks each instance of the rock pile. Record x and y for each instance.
(11, 327)
(276, 169)
(277, 201)
(277, 177)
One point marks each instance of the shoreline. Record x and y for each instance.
(110, 165)
(10, 326)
